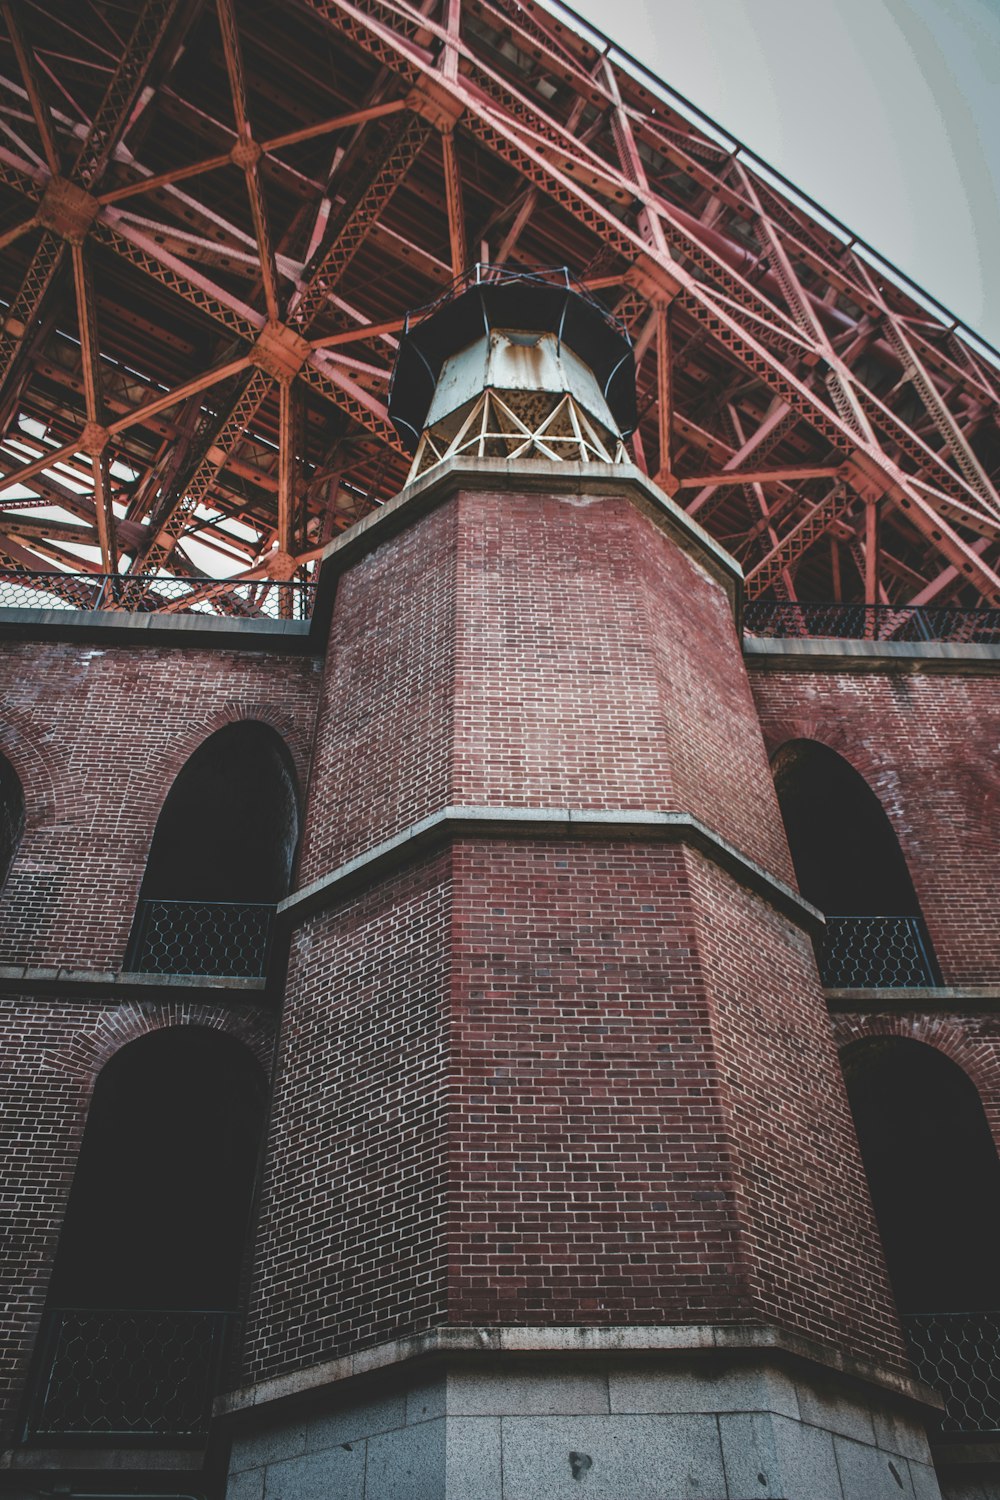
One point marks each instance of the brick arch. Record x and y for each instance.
(832, 736)
(38, 766)
(980, 1064)
(83, 1057)
(173, 760)
(880, 778)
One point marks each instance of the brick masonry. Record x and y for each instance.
(97, 737)
(51, 1052)
(520, 1080)
(926, 743)
(532, 1082)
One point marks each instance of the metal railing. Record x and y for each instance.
(959, 1355)
(246, 598)
(780, 619)
(215, 939)
(126, 1374)
(875, 953)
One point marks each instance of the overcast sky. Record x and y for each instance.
(887, 112)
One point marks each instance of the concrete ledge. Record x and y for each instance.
(157, 1460)
(971, 997)
(65, 981)
(545, 822)
(580, 1342)
(118, 627)
(536, 476)
(874, 656)
(964, 1455)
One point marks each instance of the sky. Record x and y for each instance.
(887, 112)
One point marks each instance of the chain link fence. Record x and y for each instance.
(780, 619)
(875, 953)
(214, 939)
(246, 598)
(959, 1355)
(127, 1374)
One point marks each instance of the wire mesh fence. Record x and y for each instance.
(214, 939)
(959, 1355)
(875, 953)
(780, 619)
(245, 598)
(126, 1374)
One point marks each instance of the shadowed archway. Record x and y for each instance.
(848, 863)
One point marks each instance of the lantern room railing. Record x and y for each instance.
(126, 1374)
(212, 939)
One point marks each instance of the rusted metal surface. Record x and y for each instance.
(213, 219)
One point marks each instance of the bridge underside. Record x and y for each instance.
(214, 218)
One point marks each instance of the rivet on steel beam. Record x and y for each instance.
(94, 439)
(67, 209)
(280, 351)
(246, 153)
(434, 101)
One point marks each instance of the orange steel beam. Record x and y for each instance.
(39, 107)
(352, 335)
(246, 154)
(225, 159)
(95, 436)
(453, 192)
(768, 306)
(665, 393)
(759, 476)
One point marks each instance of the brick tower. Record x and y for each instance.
(548, 1206)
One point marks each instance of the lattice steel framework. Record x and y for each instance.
(214, 216)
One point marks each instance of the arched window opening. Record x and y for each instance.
(148, 1273)
(11, 816)
(221, 859)
(935, 1183)
(848, 863)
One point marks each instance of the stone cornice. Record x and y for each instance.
(870, 656)
(450, 823)
(579, 1342)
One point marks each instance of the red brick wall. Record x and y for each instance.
(525, 650)
(598, 667)
(927, 744)
(537, 1082)
(97, 736)
(383, 741)
(808, 1227)
(594, 1176)
(51, 1052)
(351, 1248)
(649, 1104)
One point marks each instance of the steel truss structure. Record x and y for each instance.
(214, 215)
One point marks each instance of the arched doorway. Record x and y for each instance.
(934, 1176)
(11, 816)
(848, 863)
(147, 1277)
(221, 859)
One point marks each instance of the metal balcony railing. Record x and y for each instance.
(870, 953)
(959, 1355)
(126, 1374)
(871, 622)
(246, 598)
(214, 939)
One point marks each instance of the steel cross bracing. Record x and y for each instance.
(214, 216)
